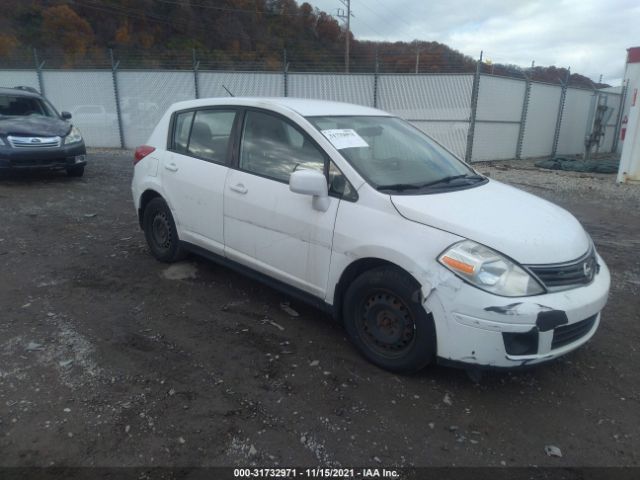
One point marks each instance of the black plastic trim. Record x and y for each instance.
(521, 343)
(60, 157)
(568, 334)
(261, 277)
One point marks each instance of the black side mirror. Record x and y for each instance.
(65, 115)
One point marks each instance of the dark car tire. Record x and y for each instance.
(75, 171)
(386, 321)
(160, 232)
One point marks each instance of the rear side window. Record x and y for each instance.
(181, 132)
(203, 133)
(210, 133)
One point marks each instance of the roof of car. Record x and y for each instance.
(303, 106)
(18, 91)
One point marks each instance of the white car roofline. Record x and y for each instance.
(301, 106)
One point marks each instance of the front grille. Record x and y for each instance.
(34, 142)
(570, 333)
(562, 276)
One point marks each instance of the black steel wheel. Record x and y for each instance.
(386, 324)
(386, 321)
(160, 231)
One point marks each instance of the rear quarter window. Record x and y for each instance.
(181, 132)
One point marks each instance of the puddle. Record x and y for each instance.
(180, 271)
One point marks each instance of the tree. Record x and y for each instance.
(63, 27)
(8, 43)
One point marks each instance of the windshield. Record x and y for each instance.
(392, 155)
(19, 106)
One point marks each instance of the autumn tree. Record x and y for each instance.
(8, 43)
(62, 26)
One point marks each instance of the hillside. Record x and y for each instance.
(247, 34)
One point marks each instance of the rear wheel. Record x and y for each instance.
(386, 321)
(160, 231)
(75, 171)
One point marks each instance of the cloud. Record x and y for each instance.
(590, 36)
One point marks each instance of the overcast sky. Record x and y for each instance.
(590, 36)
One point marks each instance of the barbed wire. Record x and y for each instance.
(385, 61)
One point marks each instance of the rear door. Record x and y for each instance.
(194, 172)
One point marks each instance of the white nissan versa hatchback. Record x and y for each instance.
(362, 214)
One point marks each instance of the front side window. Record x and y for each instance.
(273, 148)
(393, 156)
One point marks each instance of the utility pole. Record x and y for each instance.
(417, 56)
(346, 16)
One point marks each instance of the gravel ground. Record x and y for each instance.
(110, 358)
(565, 185)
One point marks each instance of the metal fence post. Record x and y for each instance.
(114, 76)
(285, 73)
(523, 117)
(616, 130)
(563, 97)
(196, 65)
(474, 107)
(375, 81)
(39, 66)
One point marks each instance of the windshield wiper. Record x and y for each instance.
(450, 178)
(413, 186)
(399, 186)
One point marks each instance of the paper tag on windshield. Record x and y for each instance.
(344, 138)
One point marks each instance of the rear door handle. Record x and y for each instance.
(240, 188)
(171, 167)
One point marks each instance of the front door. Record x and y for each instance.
(266, 226)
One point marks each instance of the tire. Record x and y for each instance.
(160, 231)
(75, 171)
(385, 320)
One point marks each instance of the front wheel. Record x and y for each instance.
(160, 231)
(385, 320)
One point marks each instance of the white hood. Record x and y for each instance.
(522, 226)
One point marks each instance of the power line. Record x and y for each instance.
(346, 16)
(137, 14)
(385, 18)
(227, 9)
(100, 5)
(395, 17)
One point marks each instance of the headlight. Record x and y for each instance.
(73, 137)
(489, 270)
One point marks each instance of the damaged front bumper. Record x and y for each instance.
(481, 329)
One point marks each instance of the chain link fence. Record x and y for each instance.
(478, 116)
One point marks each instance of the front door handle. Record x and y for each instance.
(171, 167)
(240, 188)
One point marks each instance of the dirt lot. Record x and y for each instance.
(108, 357)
